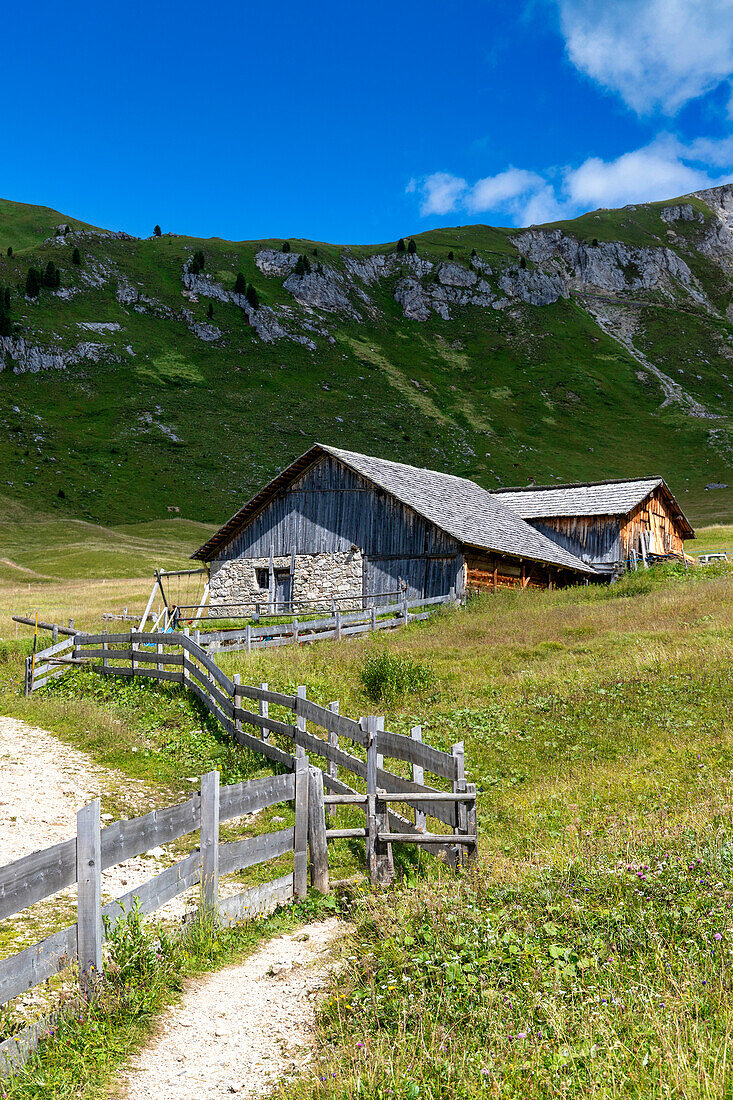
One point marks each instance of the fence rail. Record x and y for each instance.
(243, 711)
(82, 859)
(335, 627)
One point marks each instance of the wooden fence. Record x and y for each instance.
(180, 659)
(335, 627)
(82, 859)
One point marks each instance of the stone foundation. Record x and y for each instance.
(318, 579)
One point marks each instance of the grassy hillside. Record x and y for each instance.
(588, 953)
(165, 418)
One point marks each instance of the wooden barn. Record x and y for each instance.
(340, 525)
(606, 523)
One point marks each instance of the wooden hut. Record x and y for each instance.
(606, 523)
(340, 525)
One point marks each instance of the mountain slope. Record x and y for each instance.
(594, 348)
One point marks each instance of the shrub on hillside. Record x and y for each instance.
(33, 283)
(387, 677)
(240, 284)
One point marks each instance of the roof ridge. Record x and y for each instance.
(575, 484)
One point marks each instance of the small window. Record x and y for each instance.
(263, 578)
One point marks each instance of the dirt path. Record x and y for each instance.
(243, 1028)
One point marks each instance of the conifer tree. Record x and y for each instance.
(49, 276)
(299, 268)
(286, 246)
(210, 310)
(10, 250)
(400, 245)
(157, 231)
(523, 263)
(33, 283)
(474, 253)
(450, 255)
(76, 256)
(253, 297)
(412, 248)
(6, 325)
(240, 284)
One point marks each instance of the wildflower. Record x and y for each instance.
(718, 935)
(360, 1045)
(521, 1035)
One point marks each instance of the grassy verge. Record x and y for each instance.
(146, 971)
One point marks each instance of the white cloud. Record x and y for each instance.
(441, 192)
(658, 171)
(656, 54)
(661, 170)
(496, 191)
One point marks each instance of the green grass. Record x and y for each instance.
(499, 396)
(580, 957)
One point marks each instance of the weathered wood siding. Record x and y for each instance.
(653, 519)
(595, 539)
(329, 508)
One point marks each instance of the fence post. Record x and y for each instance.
(264, 713)
(295, 631)
(302, 693)
(158, 652)
(405, 608)
(459, 787)
(105, 650)
(373, 617)
(209, 843)
(379, 852)
(28, 686)
(236, 699)
(89, 897)
(300, 845)
(133, 658)
(317, 842)
(472, 823)
(332, 768)
(186, 656)
(248, 634)
(452, 601)
(418, 776)
(54, 633)
(337, 625)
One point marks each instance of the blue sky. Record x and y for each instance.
(361, 123)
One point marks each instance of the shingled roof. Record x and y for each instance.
(599, 498)
(456, 505)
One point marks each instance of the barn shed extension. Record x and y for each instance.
(606, 523)
(340, 525)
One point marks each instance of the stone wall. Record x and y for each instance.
(318, 579)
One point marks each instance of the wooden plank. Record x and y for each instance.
(46, 679)
(247, 741)
(300, 838)
(223, 701)
(345, 834)
(209, 846)
(345, 799)
(250, 718)
(123, 840)
(211, 666)
(89, 896)
(318, 747)
(330, 720)
(399, 747)
(428, 838)
(257, 900)
(254, 795)
(395, 784)
(37, 963)
(158, 891)
(248, 691)
(238, 854)
(145, 673)
(52, 650)
(317, 846)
